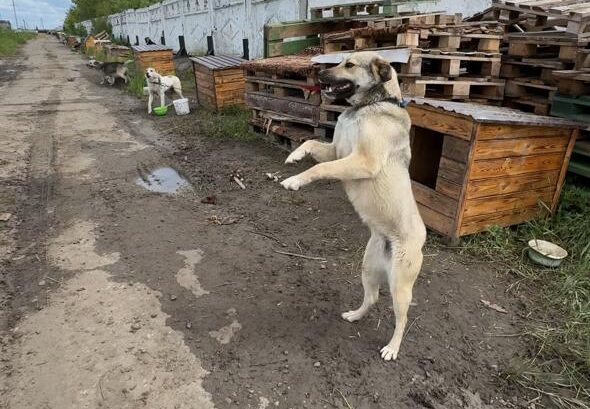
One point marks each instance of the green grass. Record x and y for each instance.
(559, 367)
(230, 122)
(10, 41)
(136, 81)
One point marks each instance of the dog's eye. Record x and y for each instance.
(349, 65)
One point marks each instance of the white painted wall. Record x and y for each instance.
(230, 21)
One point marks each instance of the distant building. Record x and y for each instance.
(5, 24)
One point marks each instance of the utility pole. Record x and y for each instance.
(15, 18)
(42, 25)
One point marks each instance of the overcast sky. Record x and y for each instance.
(32, 11)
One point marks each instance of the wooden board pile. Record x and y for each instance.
(283, 94)
(523, 54)
(530, 64)
(366, 9)
(450, 59)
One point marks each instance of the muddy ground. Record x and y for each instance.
(119, 297)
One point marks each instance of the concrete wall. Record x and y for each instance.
(230, 21)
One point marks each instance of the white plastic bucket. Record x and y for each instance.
(181, 106)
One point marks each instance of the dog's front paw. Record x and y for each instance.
(296, 156)
(292, 183)
(389, 353)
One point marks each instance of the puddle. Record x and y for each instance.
(163, 180)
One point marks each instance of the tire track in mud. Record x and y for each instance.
(35, 210)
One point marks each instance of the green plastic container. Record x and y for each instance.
(161, 111)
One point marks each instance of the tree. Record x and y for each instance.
(83, 10)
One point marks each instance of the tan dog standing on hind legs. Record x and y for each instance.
(370, 154)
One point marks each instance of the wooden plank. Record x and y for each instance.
(568, 153)
(490, 149)
(229, 86)
(435, 220)
(511, 184)
(434, 200)
(509, 202)
(443, 122)
(283, 105)
(479, 223)
(500, 131)
(515, 165)
(455, 148)
(302, 29)
(448, 188)
(275, 49)
(452, 170)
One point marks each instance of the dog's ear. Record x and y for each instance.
(381, 69)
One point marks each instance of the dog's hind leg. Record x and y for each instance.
(376, 262)
(178, 92)
(406, 264)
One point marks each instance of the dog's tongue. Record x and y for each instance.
(312, 88)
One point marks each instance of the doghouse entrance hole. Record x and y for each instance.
(426, 153)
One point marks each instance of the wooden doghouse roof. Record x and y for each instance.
(155, 47)
(218, 62)
(493, 114)
(296, 64)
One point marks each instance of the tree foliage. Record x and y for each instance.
(82, 10)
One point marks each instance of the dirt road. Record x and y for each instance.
(115, 296)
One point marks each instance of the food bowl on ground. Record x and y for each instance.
(546, 253)
(161, 111)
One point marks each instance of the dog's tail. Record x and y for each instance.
(128, 62)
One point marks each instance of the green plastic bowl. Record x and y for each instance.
(161, 111)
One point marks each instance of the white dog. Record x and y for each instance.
(158, 85)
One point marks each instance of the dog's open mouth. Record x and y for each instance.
(338, 89)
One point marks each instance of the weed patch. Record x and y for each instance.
(10, 40)
(136, 81)
(230, 122)
(559, 368)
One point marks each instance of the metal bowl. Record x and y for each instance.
(546, 253)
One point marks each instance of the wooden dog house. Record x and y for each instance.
(116, 52)
(158, 57)
(475, 166)
(96, 40)
(219, 80)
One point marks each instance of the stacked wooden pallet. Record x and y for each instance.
(537, 15)
(573, 102)
(283, 94)
(459, 61)
(450, 59)
(366, 9)
(530, 63)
